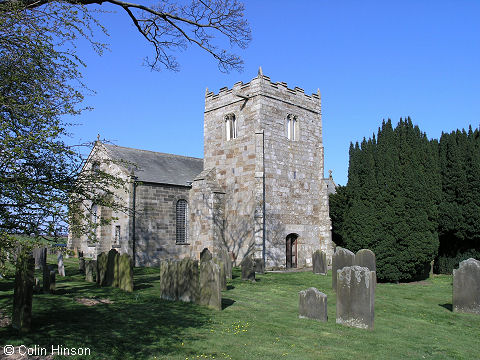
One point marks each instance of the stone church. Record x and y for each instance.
(259, 190)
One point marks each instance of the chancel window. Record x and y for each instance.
(292, 127)
(181, 217)
(230, 127)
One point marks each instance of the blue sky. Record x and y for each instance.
(371, 60)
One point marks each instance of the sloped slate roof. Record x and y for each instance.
(158, 167)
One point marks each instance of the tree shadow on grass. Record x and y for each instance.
(227, 302)
(145, 282)
(447, 306)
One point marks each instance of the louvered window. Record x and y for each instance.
(292, 127)
(230, 127)
(181, 214)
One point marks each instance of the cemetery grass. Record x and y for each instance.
(259, 321)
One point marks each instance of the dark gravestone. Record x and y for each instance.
(90, 269)
(168, 280)
(23, 291)
(205, 255)
(366, 258)
(319, 260)
(210, 285)
(102, 261)
(248, 268)
(61, 266)
(81, 265)
(259, 266)
(46, 279)
(312, 305)
(225, 257)
(466, 287)
(356, 297)
(187, 280)
(341, 258)
(40, 255)
(112, 268)
(223, 275)
(52, 281)
(125, 273)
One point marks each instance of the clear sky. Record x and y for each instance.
(371, 60)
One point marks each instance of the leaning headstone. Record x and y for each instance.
(210, 285)
(341, 258)
(90, 269)
(223, 275)
(205, 255)
(466, 287)
(81, 265)
(23, 292)
(366, 258)
(102, 261)
(248, 268)
(225, 257)
(187, 280)
(61, 267)
(259, 266)
(168, 280)
(319, 260)
(356, 297)
(125, 273)
(112, 268)
(312, 305)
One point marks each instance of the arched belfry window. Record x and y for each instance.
(230, 126)
(292, 127)
(182, 222)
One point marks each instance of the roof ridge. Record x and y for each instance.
(151, 151)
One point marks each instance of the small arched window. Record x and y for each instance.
(182, 222)
(292, 127)
(230, 126)
(94, 214)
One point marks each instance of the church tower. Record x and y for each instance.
(263, 161)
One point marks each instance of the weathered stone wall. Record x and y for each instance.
(155, 223)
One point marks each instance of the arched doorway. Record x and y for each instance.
(291, 250)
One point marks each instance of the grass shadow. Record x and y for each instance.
(230, 287)
(447, 306)
(227, 302)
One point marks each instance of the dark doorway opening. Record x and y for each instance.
(292, 256)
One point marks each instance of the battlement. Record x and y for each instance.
(262, 85)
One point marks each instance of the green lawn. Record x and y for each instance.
(259, 321)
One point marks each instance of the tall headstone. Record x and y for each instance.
(356, 297)
(90, 268)
(52, 281)
(102, 261)
(46, 278)
(210, 285)
(205, 255)
(248, 268)
(312, 305)
(366, 258)
(125, 273)
(168, 280)
(259, 266)
(23, 292)
(225, 257)
(466, 287)
(187, 280)
(341, 258)
(223, 275)
(81, 265)
(112, 268)
(319, 260)
(39, 253)
(61, 266)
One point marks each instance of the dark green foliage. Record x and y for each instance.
(459, 210)
(390, 204)
(338, 203)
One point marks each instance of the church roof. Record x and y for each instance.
(155, 167)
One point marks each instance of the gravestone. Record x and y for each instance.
(248, 268)
(168, 280)
(90, 269)
(46, 279)
(366, 258)
(225, 257)
(356, 297)
(341, 258)
(40, 255)
(187, 280)
(259, 266)
(112, 268)
(23, 291)
(52, 281)
(223, 275)
(210, 285)
(125, 273)
(466, 287)
(81, 265)
(102, 261)
(205, 255)
(313, 305)
(61, 266)
(319, 260)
